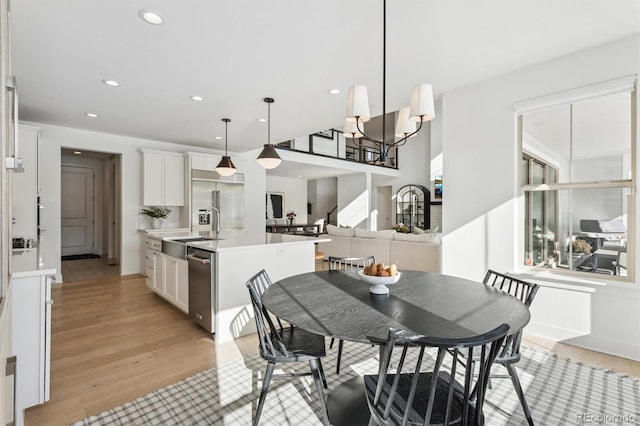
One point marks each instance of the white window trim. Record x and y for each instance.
(610, 87)
(618, 85)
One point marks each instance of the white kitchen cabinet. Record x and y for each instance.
(153, 265)
(204, 161)
(31, 337)
(176, 281)
(163, 178)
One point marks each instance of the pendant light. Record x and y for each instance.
(269, 158)
(225, 167)
(421, 109)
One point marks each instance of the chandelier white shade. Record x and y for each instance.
(404, 126)
(269, 158)
(351, 130)
(226, 167)
(358, 104)
(422, 107)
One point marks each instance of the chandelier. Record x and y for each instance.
(421, 108)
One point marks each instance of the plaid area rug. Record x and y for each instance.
(559, 392)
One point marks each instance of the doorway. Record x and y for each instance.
(90, 214)
(384, 203)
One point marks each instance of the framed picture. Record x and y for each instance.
(275, 205)
(325, 134)
(437, 188)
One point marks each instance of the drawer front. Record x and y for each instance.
(149, 274)
(150, 257)
(154, 244)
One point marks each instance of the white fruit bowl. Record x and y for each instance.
(378, 284)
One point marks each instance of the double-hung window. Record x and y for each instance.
(577, 179)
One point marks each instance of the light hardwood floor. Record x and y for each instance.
(114, 340)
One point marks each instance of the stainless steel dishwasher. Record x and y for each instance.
(202, 287)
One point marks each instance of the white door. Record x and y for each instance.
(77, 210)
(384, 204)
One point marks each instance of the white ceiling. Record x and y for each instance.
(235, 53)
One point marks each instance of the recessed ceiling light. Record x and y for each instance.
(150, 17)
(77, 152)
(111, 83)
(218, 138)
(299, 176)
(197, 98)
(334, 91)
(262, 120)
(91, 115)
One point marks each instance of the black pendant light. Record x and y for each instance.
(226, 167)
(269, 158)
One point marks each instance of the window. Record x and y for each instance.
(577, 178)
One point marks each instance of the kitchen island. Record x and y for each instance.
(237, 257)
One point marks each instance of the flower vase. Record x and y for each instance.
(290, 220)
(156, 223)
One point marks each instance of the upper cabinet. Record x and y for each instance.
(163, 178)
(412, 207)
(204, 161)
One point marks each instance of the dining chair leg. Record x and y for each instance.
(340, 344)
(263, 394)
(313, 363)
(516, 384)
(333, 339)
(321, 369)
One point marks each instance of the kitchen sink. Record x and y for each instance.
(192, 239)
(177, 247)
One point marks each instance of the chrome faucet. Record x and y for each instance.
(217, 231)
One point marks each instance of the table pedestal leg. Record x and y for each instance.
(347, 403)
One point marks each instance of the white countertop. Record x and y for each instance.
(238, 240)
(26, 263)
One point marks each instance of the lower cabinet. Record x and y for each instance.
(167, 275)
(175, 281)
(31, 339)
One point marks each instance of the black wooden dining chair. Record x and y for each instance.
(416, 392)
(509, 353)
(284, 345)
(336, 263)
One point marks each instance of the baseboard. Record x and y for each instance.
(586, 341)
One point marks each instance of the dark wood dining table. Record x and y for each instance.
(338, 304)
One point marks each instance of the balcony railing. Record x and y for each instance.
(332, 143)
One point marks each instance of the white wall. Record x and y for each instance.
(480, 202)
(295, 194)
(354, 200)
(323, 195)
(54, 137)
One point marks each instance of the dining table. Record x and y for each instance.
(338, 304)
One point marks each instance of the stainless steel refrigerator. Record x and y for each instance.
(225, 193)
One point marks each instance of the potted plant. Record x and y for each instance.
(581, 246)
(157, 215)
(291, 217)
